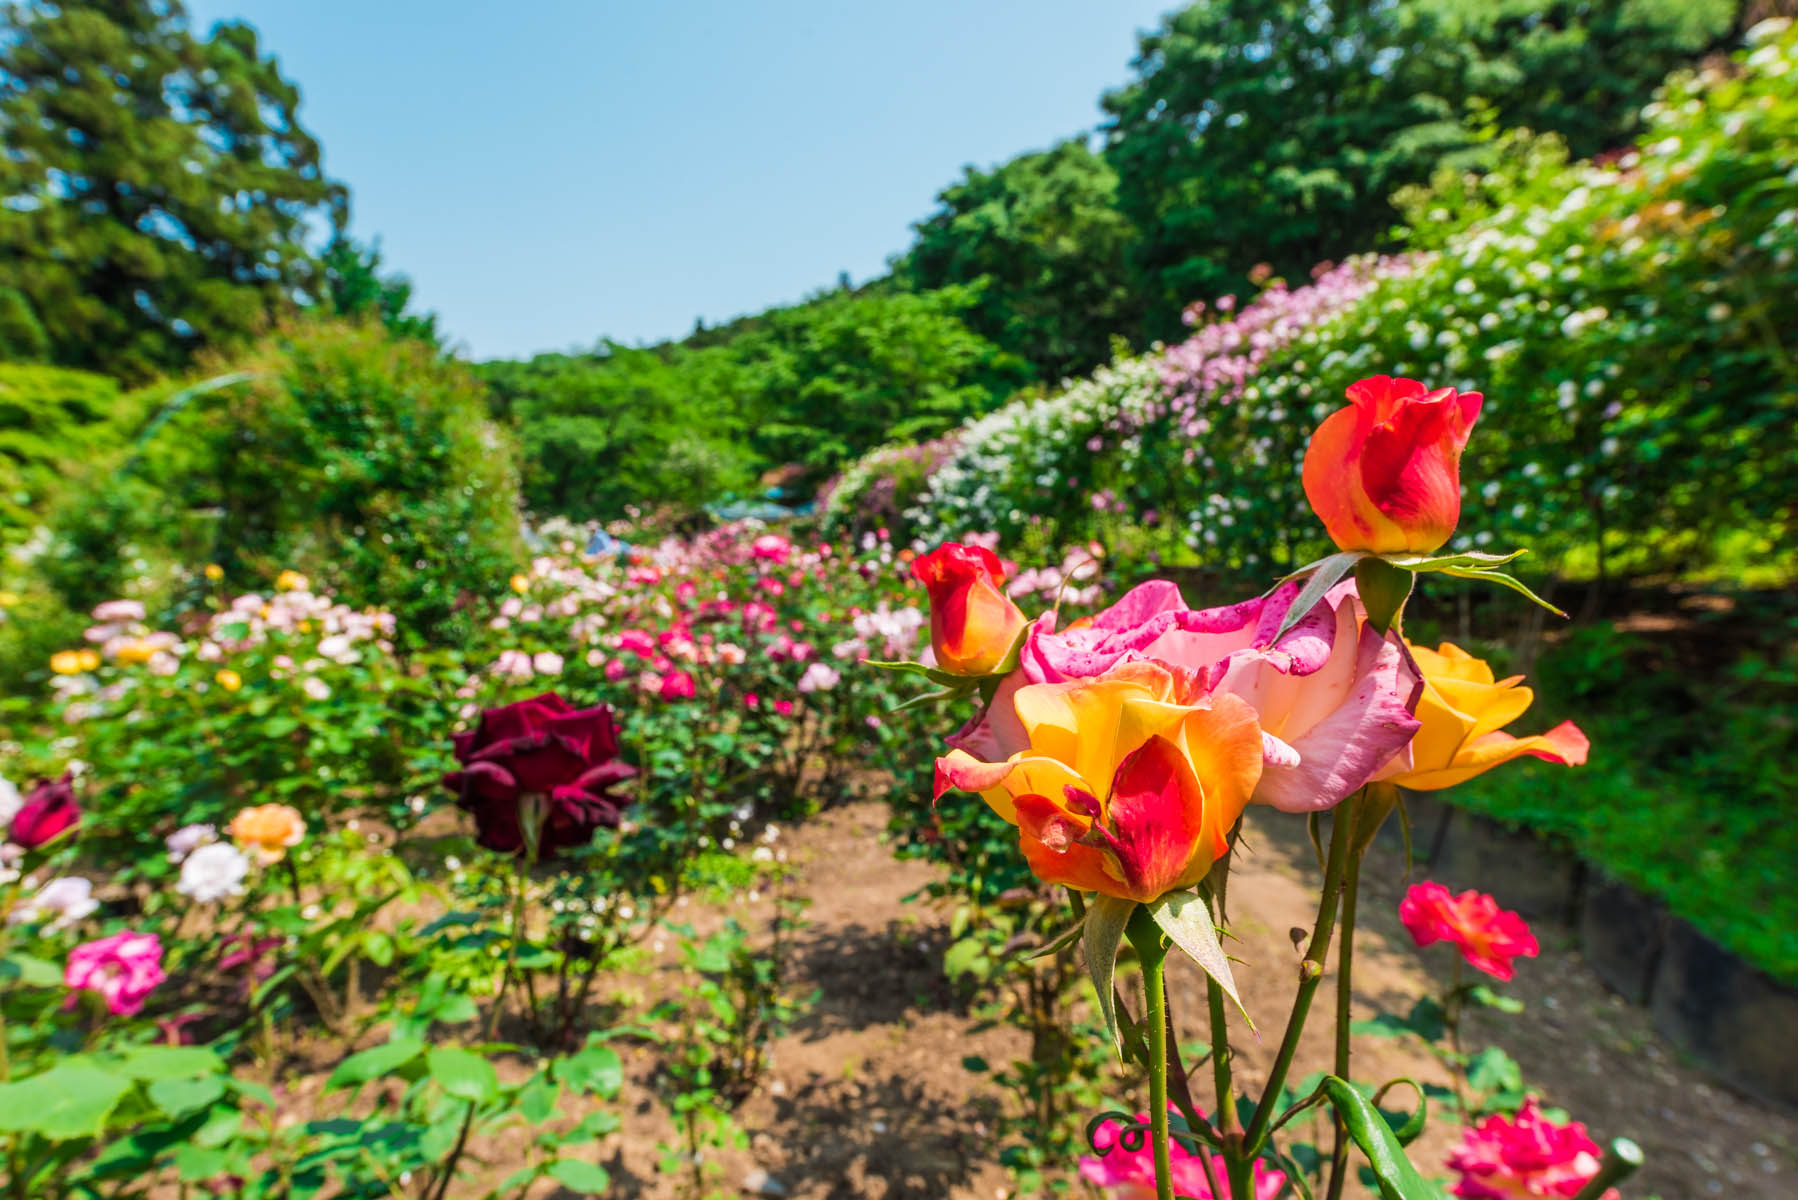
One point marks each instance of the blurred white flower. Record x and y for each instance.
(317, 688)
(185, 840)
(547, 662)
(10, 801)
(213, 872)
(63, 901)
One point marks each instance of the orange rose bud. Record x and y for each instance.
(1384, 474)
(973, 623)
(267, 830)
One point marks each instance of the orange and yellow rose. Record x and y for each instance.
(1463, 711)
(1127, 784)
(973, 623)
(267, 830)
(1384, 474)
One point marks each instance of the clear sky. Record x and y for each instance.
(550, 172)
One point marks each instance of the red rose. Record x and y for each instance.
(48, 812)
(973, 623)
(540, 750)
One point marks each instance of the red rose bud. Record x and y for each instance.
(1384, 474)
(973, 623)
(544, 754)
(48, 812)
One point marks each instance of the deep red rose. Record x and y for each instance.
(48, 812)
(540, 747)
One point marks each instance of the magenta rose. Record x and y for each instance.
(1335, 698)
(540, 751)
(122, 969)
(48, 812)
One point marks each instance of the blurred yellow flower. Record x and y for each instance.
(66, 662)
(229, 680)
(214, 572)
(521, 584)
(89, 658)
(292, 581)
(135, 652)
(8, 599)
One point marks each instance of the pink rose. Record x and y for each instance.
(1490, 938)
(1333, 697)
(123, 968)
(1501, 1159)
(1130, 1174)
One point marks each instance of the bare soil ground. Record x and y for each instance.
(868, 1097)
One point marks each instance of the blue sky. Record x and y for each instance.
(549, 172)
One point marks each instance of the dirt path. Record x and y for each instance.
(867, 1097)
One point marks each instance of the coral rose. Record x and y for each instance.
(540, 752)
(1462, 710)
(973, 623)
(1384, 474)
(1490, 938)
(267, 830)
(1125, 786)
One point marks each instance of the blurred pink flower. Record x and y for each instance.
(1130, 1175)
(123, 969)
(1501, 1159)
(1489, 937)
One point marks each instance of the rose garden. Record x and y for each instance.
(1284, 760)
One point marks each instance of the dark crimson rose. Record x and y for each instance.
(49, 811)
(545, 748)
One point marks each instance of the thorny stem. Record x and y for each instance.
(1311, 971)
(1237, 1165)
(1345, 963)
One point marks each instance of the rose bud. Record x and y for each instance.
(1384, 474)
(48, 812)
(973, 623)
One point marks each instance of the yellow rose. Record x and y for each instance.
(229, 680)
(1463, 709)
(66, 662)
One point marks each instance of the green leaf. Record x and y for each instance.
(537, 1099)
(372, 1063)
(1396, 1178)
(966, 957)
(1106, 917)
(1186, 919)
(1492, 1070)
(1383, 589)
(178, 1097)
(1484, 996)
(1503, 580)
(31, 971)
(71, 1100)
(1058, 943)
(588, 1178)
(595, 1069)
(1476, 560)
(1326, 574)
(171, 1062)
(463, 1074)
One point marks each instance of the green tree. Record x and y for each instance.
(621, 426)
(356, 287)
(1276, 130)
(824, 381)
(157, 187)
(1043, 238)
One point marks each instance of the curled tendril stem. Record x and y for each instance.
(1132, 1135)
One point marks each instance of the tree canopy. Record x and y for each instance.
(157, 186)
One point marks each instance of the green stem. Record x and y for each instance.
(1237, 1164)
(1311, 972)
(1151, 952)
(513, 933)
(1345, 964)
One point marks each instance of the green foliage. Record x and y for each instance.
(157, 187)
(49, 419)
(356, 288)
(365, 462)
(1274, 132)
(1043, 237)
(803, 387)
(600, 432)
